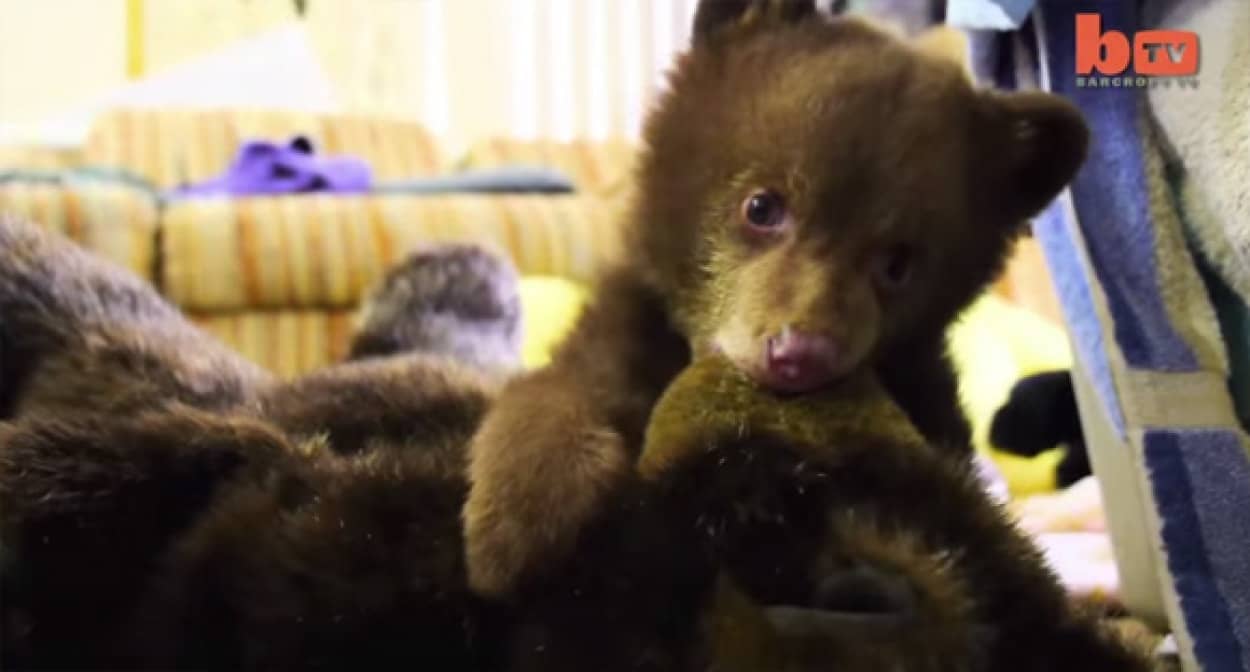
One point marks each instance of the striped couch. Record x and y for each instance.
(279, 277)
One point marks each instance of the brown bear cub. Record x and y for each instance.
(817, 202)
(316, 523)
(159, 512)
(816, 197)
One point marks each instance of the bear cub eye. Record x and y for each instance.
(893, 266)
(764, 211)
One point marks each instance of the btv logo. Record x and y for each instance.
(1168, 53)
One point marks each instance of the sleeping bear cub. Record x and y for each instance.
(815, 197)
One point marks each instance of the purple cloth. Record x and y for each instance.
(266, 168)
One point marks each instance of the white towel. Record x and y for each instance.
(1209, 129)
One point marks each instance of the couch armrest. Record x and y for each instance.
(112, 218)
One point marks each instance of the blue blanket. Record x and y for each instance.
(1143, 328)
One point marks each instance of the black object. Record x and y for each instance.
(1041, 414)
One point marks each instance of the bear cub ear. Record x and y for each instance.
(1037, 143)
(712, 16)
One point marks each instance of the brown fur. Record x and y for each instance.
(453, 298)
(565, 429)
(838, 482)
(318, 525)
(874, 146)
(272, 525)
(272, 555)
(407, 399)
(80, 334)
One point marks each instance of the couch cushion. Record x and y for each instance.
(111, 214)
(287, 342)
(325, 251)
(173, 146)
(294, 342)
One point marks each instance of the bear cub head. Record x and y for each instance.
(816, 193)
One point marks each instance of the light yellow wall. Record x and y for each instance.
(475, 68)
(55, 54)
(465, 68)
(380, 56)
(182, 29)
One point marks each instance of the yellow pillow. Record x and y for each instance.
(994, 344)
(550, 305)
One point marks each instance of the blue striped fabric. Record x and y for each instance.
(1111, 194)
(1053, 230)
(1201, 486)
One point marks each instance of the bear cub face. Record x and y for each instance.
(817, 193)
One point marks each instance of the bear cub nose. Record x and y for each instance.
(798, 361)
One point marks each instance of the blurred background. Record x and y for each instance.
(463, 69)
(158, 133)
(133, 126)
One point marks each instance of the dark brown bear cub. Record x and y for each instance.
(316, 523)
(816, 197)
(166, 505)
